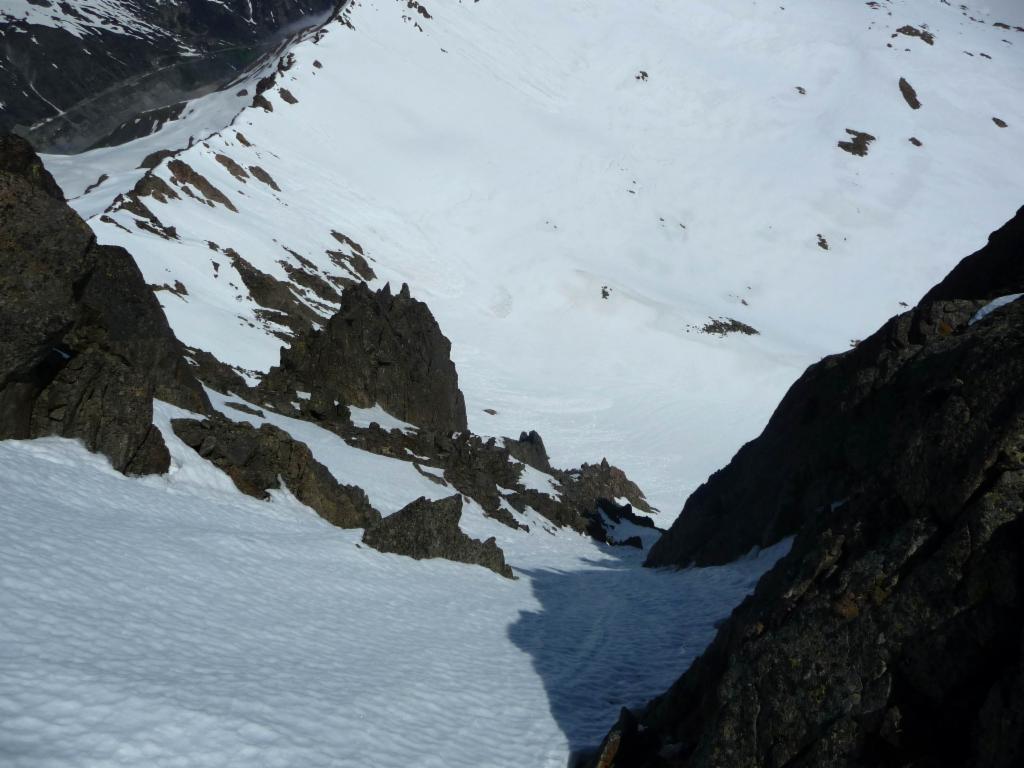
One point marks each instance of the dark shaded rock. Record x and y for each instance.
(258, 460)
(909, 94)
(832, 428)
(85, 347)
(615, 514)
(153, 159)
(529, 449)
(995, 270)
(265, 177)
(275, 295)
(185, 176)
(620, 746)
(430, 529)
(19, 159)
(488, 471)
(911, 31)
(618, 513)
(378, 349)
(215, 374)
(892, 634)
(723, 326)
(858, 144)
(143, 124)
(579, 491)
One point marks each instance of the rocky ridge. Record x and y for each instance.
(892, 634)
(264, 459)
(90, 349)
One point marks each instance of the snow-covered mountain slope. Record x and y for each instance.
(596, 200)
(578, 189)
(171, 621)
(71, 72)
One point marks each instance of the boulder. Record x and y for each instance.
(430, 529)
(86, 346)
(258, 460)
(378, 349)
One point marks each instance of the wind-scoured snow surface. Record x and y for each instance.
(171, 621)
(511, 163)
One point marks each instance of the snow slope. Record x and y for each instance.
(506, 162)
(171, 621)
(573, 225)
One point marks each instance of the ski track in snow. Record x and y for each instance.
(170, 621)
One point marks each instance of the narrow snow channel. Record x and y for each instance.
(171, 621)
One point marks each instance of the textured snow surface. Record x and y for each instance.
(174, 622)
(505, 160)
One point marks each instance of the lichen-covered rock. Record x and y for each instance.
(258, 460)
(85, 346)
(892, 634)
(430, 529)
(833, 427)
(378, 349)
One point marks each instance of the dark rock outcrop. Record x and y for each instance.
(378, 349)
(996, 270)
(258, 460)
(892, 634)
(491, 472)
(86, 346)
(609, 513)
(430, 529)
(834, 428)
(530, 450)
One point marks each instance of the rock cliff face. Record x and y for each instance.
(379, 349)
(835, 426)
(893, 632)
(85, 346)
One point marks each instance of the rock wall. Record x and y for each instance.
(893, 632)
(832, 430)
(86, 346)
